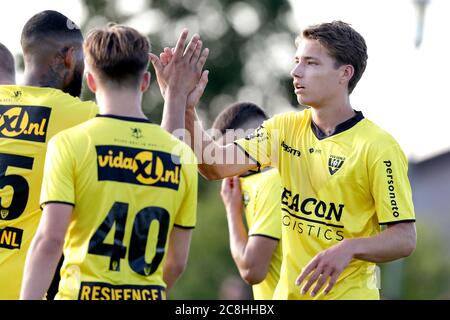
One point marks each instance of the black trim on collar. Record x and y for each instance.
(124, 118)
(341, 127)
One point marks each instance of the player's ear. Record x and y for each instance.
(347, 72)
(70, 59)
(145, 81)
(92, 85)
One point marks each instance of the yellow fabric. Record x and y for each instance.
(336, 188)
(127, 172)
(261, 195)
(29, 117)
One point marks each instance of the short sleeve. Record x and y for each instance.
(258, 146)
(187, 214)
(267, 216)
(58, 181)
(390, 186)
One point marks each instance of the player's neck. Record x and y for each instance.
(120, 103)
(328, 116)
(42, 77)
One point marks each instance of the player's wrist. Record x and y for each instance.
(176, 97)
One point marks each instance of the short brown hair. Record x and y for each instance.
(118, 54)
(236, 115)
(344, 44)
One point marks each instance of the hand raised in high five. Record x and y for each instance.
(181, 70)
(196, 94)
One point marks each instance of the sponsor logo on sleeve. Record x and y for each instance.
(391, 188)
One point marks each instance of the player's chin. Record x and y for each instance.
(302, 100)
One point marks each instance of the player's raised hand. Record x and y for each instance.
(231, 195)
(181, 68)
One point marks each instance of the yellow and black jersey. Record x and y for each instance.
(29, 117)
(130, 183)
(261, 194)
(333, 188)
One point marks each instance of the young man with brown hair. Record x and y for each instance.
(342, 176)
(121, 177)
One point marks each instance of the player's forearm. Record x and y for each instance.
(238, 246)
(397, 241)
(40, 266)
(199, 140)
(174, 111)
(172, 273)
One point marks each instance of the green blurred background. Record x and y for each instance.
(251, 53)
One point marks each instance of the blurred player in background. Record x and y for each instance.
(342, 176)
(7, 68)
(256, 251)
(119, 189)
(29, 116)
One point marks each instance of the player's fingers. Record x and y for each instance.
(179, 47)
(155, 62)
(306, 271)
(311, 280)
(224, 186)
(203, 81)
(323, 278)
(237, 184)
(164, 59)
(202, 60)
(333, 279)
(200, 88)
(197, 51)
(168, 53)
(197, 93)
(191, 47)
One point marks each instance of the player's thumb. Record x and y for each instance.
(203, 82)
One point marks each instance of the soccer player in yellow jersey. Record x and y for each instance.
(119, 189)
(342, 176)
(256, 251)
(7, 68)
(29, 116)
